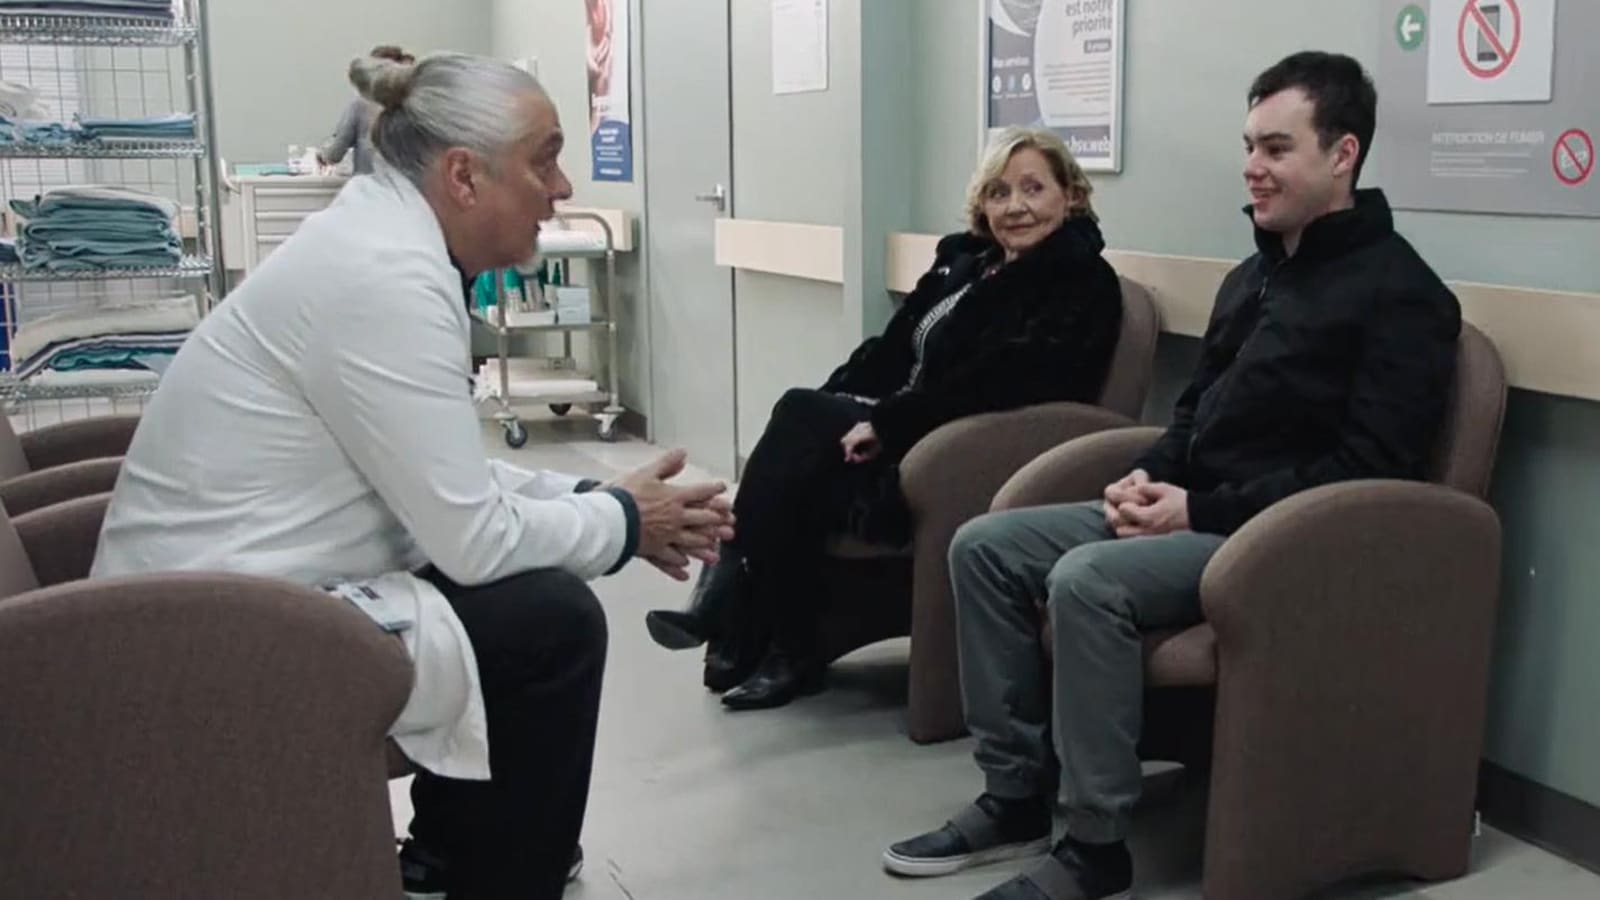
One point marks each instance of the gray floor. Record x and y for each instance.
(692, 803)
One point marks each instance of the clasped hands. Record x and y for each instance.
(678, 523)
(861, 444)
(1139, 507)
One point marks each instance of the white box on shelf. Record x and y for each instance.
(528, 318)
(572, 305)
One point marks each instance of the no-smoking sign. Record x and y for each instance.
(1489, 36)
(1573, 157)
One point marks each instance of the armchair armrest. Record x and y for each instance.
(958, 467)
(1076, 471)
(1354, 626)
(80, 439)
(60, 540)
(46, 487)
(949, 477)
(159, 707)
(1397, 566)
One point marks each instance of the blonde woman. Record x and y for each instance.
(1018, 309)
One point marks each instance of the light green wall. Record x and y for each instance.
(1179, 192)
(280, 66)
(884, 189)
(795, 159)
(790, 151)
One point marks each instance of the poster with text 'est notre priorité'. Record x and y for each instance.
(1058, 65)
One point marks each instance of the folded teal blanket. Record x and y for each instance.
(115, 358)
(96, 228)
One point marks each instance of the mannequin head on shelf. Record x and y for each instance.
(482, 141)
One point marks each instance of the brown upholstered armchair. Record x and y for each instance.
(187, 735)
(61, 462)
(949, 477)
(1337, 689)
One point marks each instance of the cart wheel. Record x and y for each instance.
(516, 435)
(561, 409)
(608, 430)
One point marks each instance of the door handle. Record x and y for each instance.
(717, 198)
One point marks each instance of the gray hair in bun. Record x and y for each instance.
(383, 81)
(442, 101)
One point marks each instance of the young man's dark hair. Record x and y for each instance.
(1345, 99)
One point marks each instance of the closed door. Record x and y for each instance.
(688, 173)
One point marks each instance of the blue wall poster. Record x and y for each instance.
(610, 115)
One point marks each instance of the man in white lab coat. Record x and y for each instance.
(318, 427)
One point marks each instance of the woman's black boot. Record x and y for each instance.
(713, 601)
(733, 657)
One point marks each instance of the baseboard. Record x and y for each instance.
(635, 423)
(1547, 818)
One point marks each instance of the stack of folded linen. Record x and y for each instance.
(142, 9)
(51, 134)
(174, 127)
(8, 252)
(81, 229)
(19, 101)
(105, 343)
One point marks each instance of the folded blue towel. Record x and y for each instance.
(160, 10)
(83, 229)
(174, 127)
(89, 198)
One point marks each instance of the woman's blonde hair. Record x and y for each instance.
(1068, 173)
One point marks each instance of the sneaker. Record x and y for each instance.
(1073, 871)
(988, 831)
(422, 875)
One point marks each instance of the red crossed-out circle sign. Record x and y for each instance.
(1573, 157)
(1504, 51)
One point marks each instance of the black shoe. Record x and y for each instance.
(735, 656)
(1073, 871)
(778, 680)
(715, 595)
(988, 831)
(730, 661)
(424, 876)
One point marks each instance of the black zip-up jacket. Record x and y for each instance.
(1330, 365)
(1041, 328)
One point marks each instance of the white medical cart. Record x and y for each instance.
(508, 380)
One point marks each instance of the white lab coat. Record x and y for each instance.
(318, 426)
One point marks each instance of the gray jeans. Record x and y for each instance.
(1101, 592)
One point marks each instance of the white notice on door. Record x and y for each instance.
(799, 46)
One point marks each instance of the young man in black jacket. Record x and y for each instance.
(1330, 356)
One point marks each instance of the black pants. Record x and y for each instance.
(797, 490)
(540, 639)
